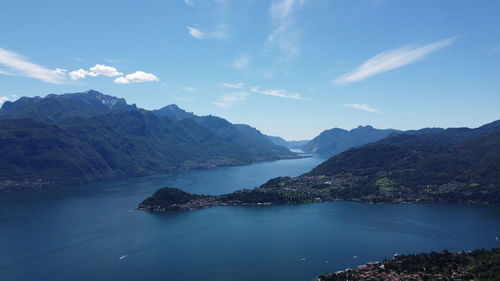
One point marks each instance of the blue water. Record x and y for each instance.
(81, 232)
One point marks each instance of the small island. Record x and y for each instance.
(473, 265)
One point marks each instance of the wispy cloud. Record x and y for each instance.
(217, 10)
(362, 106)
(230, 85)
(5, 72)
(198, 34)
(228, 100)
(195, 32)
(136, 77)
(277, 93)
(187, 89)
(241, 61)
(19, 65)
(3, 99)
(284, 35)
(392, 59)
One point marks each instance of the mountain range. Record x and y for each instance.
(81, 137)
(457, 164)
(294, 144)
(429, 165)
(334, 141)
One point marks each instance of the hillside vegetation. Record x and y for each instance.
(75, 138)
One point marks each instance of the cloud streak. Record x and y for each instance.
(284, 36)
(198, 34)
(281, 93)
(230, 85)
(19, 65)
(195, 32)
(392, 59)
(362, 106)
(228, 100)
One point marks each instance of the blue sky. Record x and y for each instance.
(291, 68)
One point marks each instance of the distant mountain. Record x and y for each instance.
(174, 112)
(457, 164)
(54, 108)
(334, 141)
(74, 138)
(248, 137)
(428, 165)
(289, 144)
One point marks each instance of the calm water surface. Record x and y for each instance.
(94, 232)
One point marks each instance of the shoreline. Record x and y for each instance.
(173, 199)
(38, 184)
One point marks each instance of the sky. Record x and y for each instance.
(290, 68)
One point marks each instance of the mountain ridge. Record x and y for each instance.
(458, 165)
(334, 141)
(95, 136)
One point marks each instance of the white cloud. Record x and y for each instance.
(19, 65)
(363, 106)
(189, 2)
(80, 74)
(284, 36)
(277, 93)
(392, 59)
(136, 77)
(61, 71)
(195, 32)
(230, 85)
(98, 69)
(198, 34)
(230, 99)
(241, 62)
(109, 71)
(3, 99)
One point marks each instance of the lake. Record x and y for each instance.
(93, 231)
